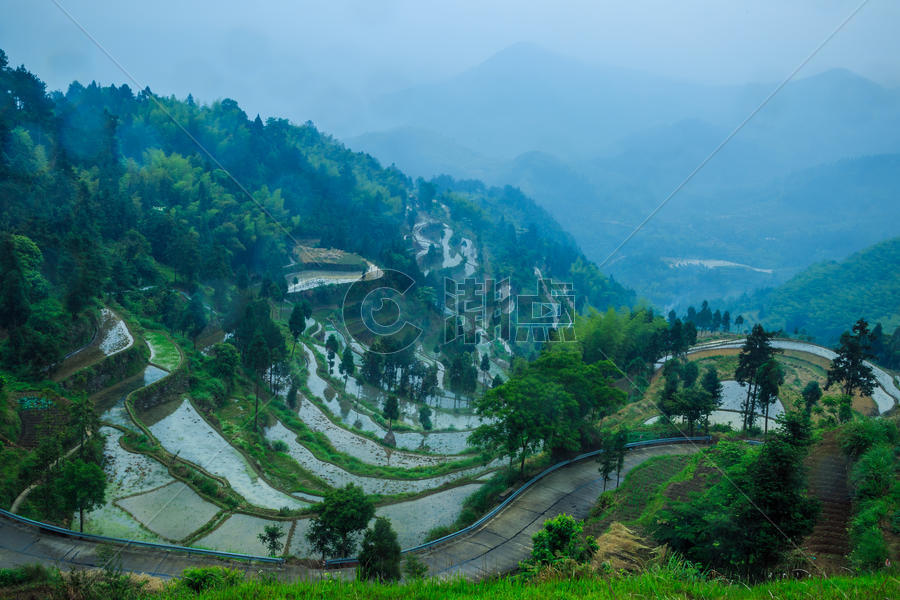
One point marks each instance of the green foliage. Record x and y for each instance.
(379, 558)
(857, 437)
(414, 568)
(24, 574)
(552, 403)
(391, 409)
(560, 539)
(848, 367)
(339, 518)
(200, 579)
(271, 539)
(875, 472)
(823, 298)
(722, 528)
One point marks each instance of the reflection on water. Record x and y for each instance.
(112, 401)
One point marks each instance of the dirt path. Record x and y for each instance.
(827, 477)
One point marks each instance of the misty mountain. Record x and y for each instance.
(601, 147)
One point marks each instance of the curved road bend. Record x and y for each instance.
(496, 547)
(505, 540)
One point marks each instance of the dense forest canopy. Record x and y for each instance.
(104, 189)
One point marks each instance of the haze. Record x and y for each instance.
(325, 62)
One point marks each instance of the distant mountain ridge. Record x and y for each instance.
(600, 147)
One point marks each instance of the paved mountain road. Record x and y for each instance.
(496, 547)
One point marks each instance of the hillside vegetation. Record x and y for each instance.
(822, 299)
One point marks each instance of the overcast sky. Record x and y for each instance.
(300, 59)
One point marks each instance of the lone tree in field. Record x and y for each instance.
(380, 555)
(849, 367)
(340, 517)
(297, 325)
(770, 378)
(271, 539)
(347, 366)
(258, 359)
(391, 410)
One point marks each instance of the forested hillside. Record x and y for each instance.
(822, 299)
(103, 191)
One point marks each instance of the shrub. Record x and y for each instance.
(874, 473)
(561, 538)
(199, 579)
(23, 574)
(870, 549)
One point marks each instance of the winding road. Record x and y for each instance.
(496, 547)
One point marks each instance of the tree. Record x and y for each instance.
(271, 539)
(770, 378)
(347, 366)
(739, 322)
(620, 449)
(225, 363)
(607, 458)
(849, 367)
(84, 419)
(380, 556)
(82, 486)
(425, 417)
(194, 320)
(755, 352)
(726, 321)
(342, 514)
(297, 325)
(561, 539)
(811, 395)
(391, 410)
(485, 367)
(259, 359)
(689, 373)
(525, 414)
(711, 384)
(331, 349)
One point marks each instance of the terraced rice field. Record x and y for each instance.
(439, 442)
(126, 474)
(335, 476)
(114, 335)
(163, 351)
(238, 533)
(116, 413)
(185, 433)
(412, 520)
(361, 447)
(173, 511)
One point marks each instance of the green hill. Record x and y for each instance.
(826, 298)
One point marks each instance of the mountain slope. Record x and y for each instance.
(824, 298)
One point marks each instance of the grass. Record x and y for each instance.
(639, 495)
(665, 581)
(166, 353)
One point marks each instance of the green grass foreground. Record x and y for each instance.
(646, 585)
